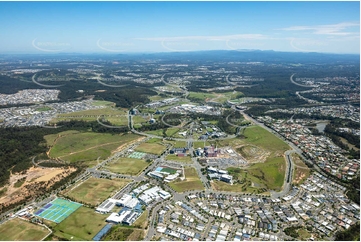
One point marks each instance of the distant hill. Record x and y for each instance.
(212, 55)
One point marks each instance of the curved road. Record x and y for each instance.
(301, 85)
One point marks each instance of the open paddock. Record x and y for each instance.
(95, 190)
(84, 146)
(184, 159)
(151, 148)
(128, 166)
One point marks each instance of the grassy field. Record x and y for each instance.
(216, 97)
(17, 229)
(303, 234)
(95, 190)
(301, 171)
(77, 146)
(179, 144)
(158, 132)
(51, 138)
(103, 103)
(91, 163)
(124, 233)
(201, 96)
(271, 173)
(192, 181)
(250, 183)
(103, 152)
(83, 224)
(172, 132)
(259, 142)
(151, 148)
(92, 115)
(142, 221)
(186, 159)
(230, 142)
(128, 166)
(43, 109)
(260, 137)
(200, 144)
(153, 140)
(223, 186)
(138, 120)
(119, 121)
(241, 188)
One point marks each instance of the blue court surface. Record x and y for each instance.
(57, 210)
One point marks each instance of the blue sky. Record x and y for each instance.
(121, 27)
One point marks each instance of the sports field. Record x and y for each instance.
(81, 225)
(166, 169)
(95, 190)
(151, 148)
(129, 166)
(57, 210)
(192, 181)
(20, 230)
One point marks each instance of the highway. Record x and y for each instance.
(291, 79)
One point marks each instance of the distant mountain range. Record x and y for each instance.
(218, 55)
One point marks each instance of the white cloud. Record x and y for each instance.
(208, 38)
(331, 29)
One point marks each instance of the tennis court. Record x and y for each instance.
(137, 155)
(57, 210)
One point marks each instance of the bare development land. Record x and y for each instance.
(252, 153)
(85, 146)
(17, 229)
(192, 181)
(301, 171)
(265, 153)
(81, 225)
(127, 166)
(95, 190)
(30, 182)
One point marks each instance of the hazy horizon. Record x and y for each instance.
(154, 27)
